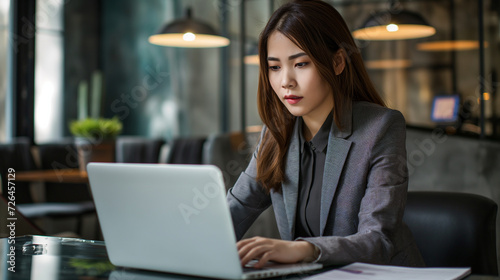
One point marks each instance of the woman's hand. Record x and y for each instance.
(267, 249)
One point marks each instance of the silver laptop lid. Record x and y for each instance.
(171, 218)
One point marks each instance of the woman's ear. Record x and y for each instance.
(339, 61)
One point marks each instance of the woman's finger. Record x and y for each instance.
(263, 259)
(244, 242)
(240, 244)
(245, 245)
(253, 253)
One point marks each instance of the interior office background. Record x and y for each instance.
(170, 92)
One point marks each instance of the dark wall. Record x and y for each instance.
(111, 36)
(158, 91)
(82, 22)
(138, 76)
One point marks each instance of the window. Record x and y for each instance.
(4, 66)
(49, 70)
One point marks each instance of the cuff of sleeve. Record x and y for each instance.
(317, 252)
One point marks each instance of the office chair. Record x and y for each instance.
(134, 149)
(60, 155)
(454, 229)
(231, 152)
(17, 154)
(186, 151)
(72, 200)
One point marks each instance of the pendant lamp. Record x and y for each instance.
(252, 57)
(397, 25)
(188, 33)
(385, 64)
(452, 45)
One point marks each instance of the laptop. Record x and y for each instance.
(171, 218)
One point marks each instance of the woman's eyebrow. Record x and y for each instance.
(292, 57)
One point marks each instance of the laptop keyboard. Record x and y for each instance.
(251, 269)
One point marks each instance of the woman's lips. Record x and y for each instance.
(293, 99)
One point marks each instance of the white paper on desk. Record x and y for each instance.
(360, 271)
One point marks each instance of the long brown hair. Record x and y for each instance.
(320, 31)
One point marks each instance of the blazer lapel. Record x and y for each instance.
(290, 187)
(336, 155)
(337, 152)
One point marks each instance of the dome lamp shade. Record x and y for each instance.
(403, 25)
(188, 33)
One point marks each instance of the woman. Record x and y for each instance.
(331, 158)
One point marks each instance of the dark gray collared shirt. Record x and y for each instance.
(312, 164)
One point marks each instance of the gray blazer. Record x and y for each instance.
(363, 195)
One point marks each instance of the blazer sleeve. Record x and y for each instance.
(247, 199)
(382, 206)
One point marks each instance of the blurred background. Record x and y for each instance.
(49, 47)
(66, 60)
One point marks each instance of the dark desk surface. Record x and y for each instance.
(48, 258)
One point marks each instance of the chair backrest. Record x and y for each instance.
(230, 152)
(135, 149)
(16, 154)
(59, 155)
(454, 229)
(186, 151)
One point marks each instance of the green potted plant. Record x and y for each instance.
(96, 128)
(95, 139)
(95, 136)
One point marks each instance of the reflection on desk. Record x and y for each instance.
(124, 274)
(53, 258)
(49, 258)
